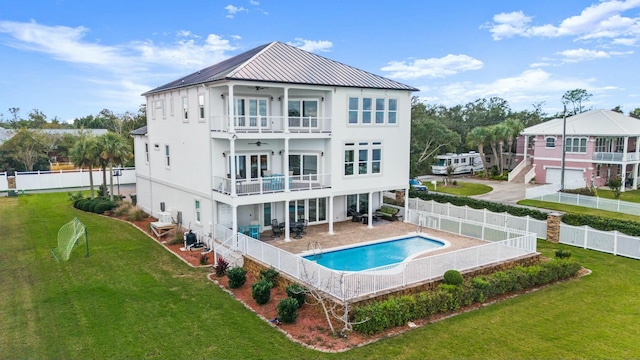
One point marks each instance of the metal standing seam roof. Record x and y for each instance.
(281, 63)
(594, 122)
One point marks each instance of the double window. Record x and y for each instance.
(370, 110)
(303, 113)
(185, 109)
(576, 144)
(250, 112)
(146, 153)
(362, 158)
(303, 166)
(197, 211)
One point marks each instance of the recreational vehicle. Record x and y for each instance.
(462, 163)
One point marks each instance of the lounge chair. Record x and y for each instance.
(275, 228)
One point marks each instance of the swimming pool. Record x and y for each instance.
(372, 255)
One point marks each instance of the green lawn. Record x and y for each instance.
(460, 189)
(630, 195)
(132, 299)
(578, 209)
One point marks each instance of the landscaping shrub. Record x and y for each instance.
(261, 291)
(237, 277)
(136, 214)
(221, 267)
(177, 238)
(561, 254)
(288, 310)
(479, 204)
(122, 209)
(297, 292)
(101, 207)
(605, 224)
(582, 191)
(397, 311)
(453, 277)
(203, 259)
(75, 196)
(270, 275)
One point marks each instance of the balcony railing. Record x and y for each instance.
(271, 124)
(272, 184)
(614, 156)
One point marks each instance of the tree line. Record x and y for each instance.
(482, 125)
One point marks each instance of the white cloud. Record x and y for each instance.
(254, 3)
(579, 55)
(432, 67)
(122, 71)
(312, 45)
(529, 87)
(601, 20)
(233, 10)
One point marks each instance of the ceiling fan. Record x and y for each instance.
(259, 143)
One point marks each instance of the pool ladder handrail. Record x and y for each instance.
(316, 249)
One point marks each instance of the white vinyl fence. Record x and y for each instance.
(502, 244)
(612, 242)
(526, 223)
(63, 179)
(593, 202)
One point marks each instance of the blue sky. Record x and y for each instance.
(72, 58)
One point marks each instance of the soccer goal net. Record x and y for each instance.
(70, 235)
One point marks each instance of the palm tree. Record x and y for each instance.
(478, 137)
(515, 127)
(113, 149)
(492, 139)
(501, 133)
(85, 153)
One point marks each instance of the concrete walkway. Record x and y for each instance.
(503, 191)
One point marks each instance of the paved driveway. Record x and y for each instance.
(503, 192)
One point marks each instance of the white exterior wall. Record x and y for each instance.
(196, 158)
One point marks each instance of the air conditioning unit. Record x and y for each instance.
(164, 217)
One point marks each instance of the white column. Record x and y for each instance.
(287, 230)
(370, 211)
(232, 165)
(232, 110)
(285, 110)
(234, 218)
(331, 215)
(406, 204)
(285, 162)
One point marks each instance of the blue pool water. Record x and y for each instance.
(375, 255)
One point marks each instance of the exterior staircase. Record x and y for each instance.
(519, 179)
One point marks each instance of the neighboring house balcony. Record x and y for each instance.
(271, 124)
(273, 183)
(618, 157)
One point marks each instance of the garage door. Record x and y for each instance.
(573, 179)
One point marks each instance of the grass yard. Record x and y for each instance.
(132, 299)
(629, 195)
(578, 209)
(461, 189)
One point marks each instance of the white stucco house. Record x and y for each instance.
(273, 133)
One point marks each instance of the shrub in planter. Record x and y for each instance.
(270, 275)
(453, 277)
(221, 267)
(297, 292)
(237, 277)
(261, 291)
(288, 310)
(102, 207)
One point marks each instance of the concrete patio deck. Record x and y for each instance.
(348, 232)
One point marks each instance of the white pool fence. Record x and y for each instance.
(63, 179)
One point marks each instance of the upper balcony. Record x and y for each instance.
(614, 157)
(271, 184)
(271, 124)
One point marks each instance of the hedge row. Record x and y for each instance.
(605, 224)
(397, 311)
(97, 205)
(480, 204)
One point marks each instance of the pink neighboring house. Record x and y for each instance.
(600, 144)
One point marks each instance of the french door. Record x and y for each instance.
(250, 166)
